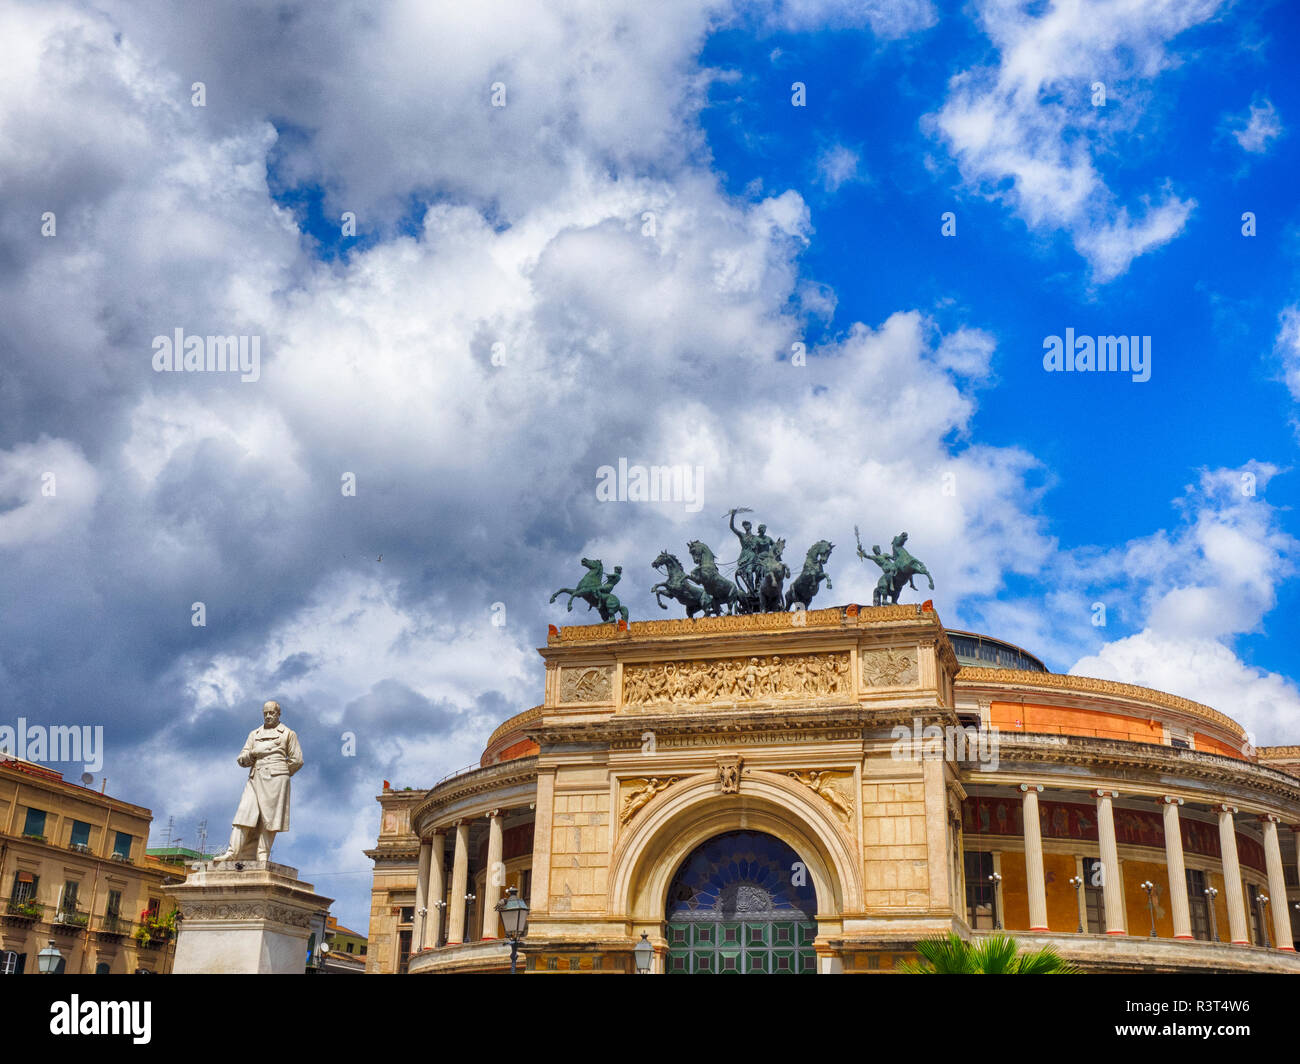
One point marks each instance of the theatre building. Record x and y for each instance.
(813, 792)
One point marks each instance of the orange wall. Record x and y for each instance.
(1135, 899)
(1062, 903)
(1062, 909)
(1056, 720)
(1213, 746)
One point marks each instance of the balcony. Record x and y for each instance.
(70, 921)
(112, 927)
(79, 847)
(22, 912)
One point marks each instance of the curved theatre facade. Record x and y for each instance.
(814, 791)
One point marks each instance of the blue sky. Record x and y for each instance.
(504, 324)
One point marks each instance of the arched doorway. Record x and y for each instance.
(744, 903)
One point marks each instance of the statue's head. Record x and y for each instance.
(618, 568)
(270, 714)
(762, 529)
(746, 525)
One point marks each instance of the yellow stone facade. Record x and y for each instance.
(920, 794)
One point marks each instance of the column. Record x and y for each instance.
(496, 876)
(459, 885)
(1277, 901)
(437, 889)
(1034, 858)
(1110, 873)
(1181, 911)
(1232, 877)
(422, 895)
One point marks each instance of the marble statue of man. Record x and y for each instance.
(271, 754)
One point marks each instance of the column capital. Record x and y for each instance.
(1032, 787)
(494, 814)
(1270, 818)
(1170, 799)
(1102, 792)
(1224, 807)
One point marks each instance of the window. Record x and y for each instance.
(112, 910)
(152, 908)
(350, 945)
(526, 884)
(102, 968)
(1094, 895)
(1181, 744)
(24, 887)
(69, 902)
(35, 823)
(403, 952)
(80, 838)
(408, 915)
(122, 846)
(11, 963)
(981, 898)
(1199, 904)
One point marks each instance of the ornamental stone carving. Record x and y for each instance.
(280, 914)
(642, 792)
(727, 680)
(823, 784)
(729, 769)
(590, 684)
(887, 668)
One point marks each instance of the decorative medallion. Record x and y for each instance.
(590, 684)
(887, 668)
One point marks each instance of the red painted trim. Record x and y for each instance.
(1287, 949)
(1117, 932)
(1188, 938)
(1040, 929)
(1239, 942)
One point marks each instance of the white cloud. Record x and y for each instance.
(837, 165)
(1258, 128)
(1196, 590)
(1025, 132)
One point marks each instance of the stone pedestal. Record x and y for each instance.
(253, 919)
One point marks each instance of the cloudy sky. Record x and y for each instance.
(487, 249)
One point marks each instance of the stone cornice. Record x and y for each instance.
(713, 722)
(490, 778)
(1162, 762)
(835, 617)
(1023, 680)
(1278, 753)
(517, 722)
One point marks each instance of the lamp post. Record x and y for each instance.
(1077, 883)
(1149, 887)
(1210, 894)
(1263, 919)
(514, 918)
(644, 954)
(995, 879)
(47, 961)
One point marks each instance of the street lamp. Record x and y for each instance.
(1210, 894)
(1148, 886)
(514, 918)
(644, 954)
(1263, 919)
(1077, 883)
(995, 879)
(48, 960)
